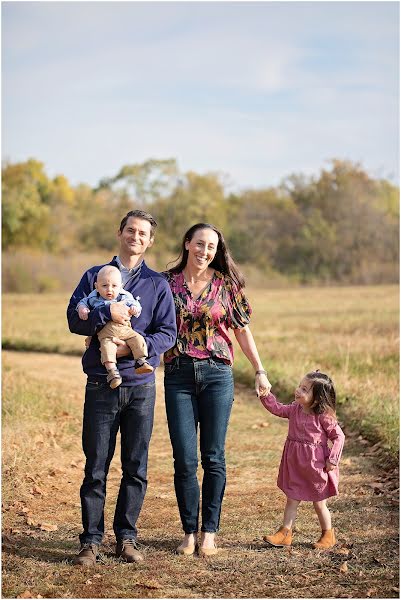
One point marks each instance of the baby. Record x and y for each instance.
(108, 289)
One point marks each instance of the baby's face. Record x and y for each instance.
(109, 285)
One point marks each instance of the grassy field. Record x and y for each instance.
(42, 473)
(350, 332)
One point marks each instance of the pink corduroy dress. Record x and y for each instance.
(302, 474)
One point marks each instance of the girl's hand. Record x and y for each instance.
(262, 385)
(329, 466)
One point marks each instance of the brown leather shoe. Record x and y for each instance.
(186, 550)
(128, 551)
(86, 557)
(204, 552)
(283, 537)
(114, 378)
(327, 540)
(141, 366)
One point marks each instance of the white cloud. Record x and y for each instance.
(255, 89)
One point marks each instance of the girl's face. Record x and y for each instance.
(202, 248)
(304, 394)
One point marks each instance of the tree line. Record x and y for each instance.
(339, 226)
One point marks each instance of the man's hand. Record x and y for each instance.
(120, 313)
(83, 312)
(122, 347)
(88, 341)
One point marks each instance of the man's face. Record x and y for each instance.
(135, 238)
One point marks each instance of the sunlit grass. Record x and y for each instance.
(350, 332)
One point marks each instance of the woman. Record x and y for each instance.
(208, 293)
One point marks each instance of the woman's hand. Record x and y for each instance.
(329, 466)
(122, 347)
(262, 384)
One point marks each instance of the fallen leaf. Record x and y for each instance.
(344, 551)
(48, 527)
(37, 491)
(344, 567)
(54, 472)
(376, 485)
(370, 592)
(25, 594)
(150, 585)
(32, 522)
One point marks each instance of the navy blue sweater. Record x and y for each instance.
(157, 323)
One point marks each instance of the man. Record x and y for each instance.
(129, 407)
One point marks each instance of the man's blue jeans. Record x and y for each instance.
(131, 410)
(198, 391)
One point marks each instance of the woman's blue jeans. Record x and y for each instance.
(198, 391)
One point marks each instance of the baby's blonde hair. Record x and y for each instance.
(107, 269)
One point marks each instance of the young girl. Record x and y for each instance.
(309, 468)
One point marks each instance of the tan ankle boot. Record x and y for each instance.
(283, 537)
(327, 540)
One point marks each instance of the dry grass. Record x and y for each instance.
(350, 332)
(42, 472)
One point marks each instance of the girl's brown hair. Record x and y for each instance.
(323, 393)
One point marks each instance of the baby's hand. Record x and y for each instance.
(134, 311)
(329, 466)
(83, 312)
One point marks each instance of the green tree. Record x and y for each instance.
(25, 208)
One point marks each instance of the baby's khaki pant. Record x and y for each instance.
(108, 348)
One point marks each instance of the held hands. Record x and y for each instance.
(83, 312)
(329, 466)
(262, 385)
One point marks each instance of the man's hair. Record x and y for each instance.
(140, 214)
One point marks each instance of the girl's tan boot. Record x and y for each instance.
(327, 540)
(283, 537)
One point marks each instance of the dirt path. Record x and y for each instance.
(42, 473)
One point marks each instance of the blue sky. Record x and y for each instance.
(255, 90)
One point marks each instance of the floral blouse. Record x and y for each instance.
(203, 323)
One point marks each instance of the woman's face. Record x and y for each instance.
(202, 248)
